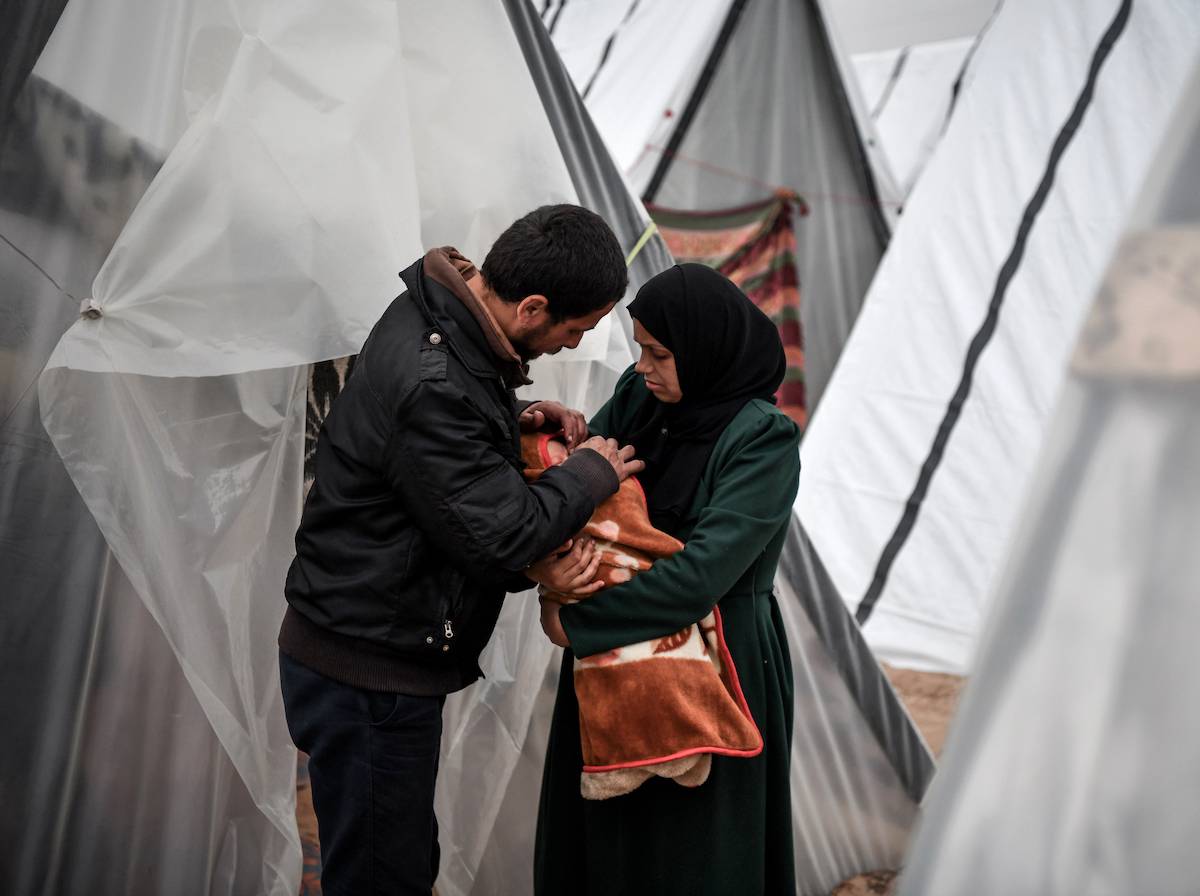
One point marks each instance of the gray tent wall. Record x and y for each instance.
(1072, 765)
(770, 110)
(27, 27)
(114, 782)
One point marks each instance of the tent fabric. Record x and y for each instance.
(755, 247)
(775, 113)
(779, 78)
(877, 734)
(910, 92)
(1074, 744)
(869, 449)
(645, 81)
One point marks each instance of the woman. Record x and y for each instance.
(721, 475)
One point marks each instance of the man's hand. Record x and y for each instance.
(570, 570)
(551, 624)
(621, 459)
(560, 418)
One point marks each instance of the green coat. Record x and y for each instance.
(733, 834)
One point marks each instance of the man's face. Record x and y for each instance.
(540, 334)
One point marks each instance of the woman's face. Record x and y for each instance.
(657, 366)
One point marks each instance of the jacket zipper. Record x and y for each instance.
(449, 630)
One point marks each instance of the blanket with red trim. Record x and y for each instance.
(663, 707)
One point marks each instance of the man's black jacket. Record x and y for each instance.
(419, 518)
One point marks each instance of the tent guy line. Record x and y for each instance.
(844, 198)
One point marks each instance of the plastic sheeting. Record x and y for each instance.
(865, 450)
(113, 779)
(157, 759)
(226, 267)
(1074, 749)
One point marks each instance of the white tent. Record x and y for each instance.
(1072, 765)
(910, 94)
(923, 445)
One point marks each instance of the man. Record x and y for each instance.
(419, 520)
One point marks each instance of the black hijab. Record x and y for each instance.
(727, 352)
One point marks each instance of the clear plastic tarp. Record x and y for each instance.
(311, 156)
(206, 184)
(1072, 765)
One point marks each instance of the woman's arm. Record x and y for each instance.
(751, 499)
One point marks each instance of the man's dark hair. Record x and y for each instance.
(563, 252)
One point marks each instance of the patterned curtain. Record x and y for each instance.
(755, 247)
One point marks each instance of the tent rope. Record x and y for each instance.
(845, 198)
(651, 229)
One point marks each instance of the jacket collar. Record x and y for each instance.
(438, 282)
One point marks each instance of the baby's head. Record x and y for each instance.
(556, 451)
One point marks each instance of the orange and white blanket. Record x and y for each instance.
(661, 707)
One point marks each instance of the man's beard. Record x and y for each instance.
(526, 353)
(524, 347)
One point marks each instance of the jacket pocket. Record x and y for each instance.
(487, 508)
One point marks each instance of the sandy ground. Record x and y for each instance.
(931, 698)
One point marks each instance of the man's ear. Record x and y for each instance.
(531, 309)
(531, 313)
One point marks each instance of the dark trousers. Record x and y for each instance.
(372, 760)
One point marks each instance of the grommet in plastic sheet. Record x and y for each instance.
(435, 338)
(429, 639)
(89, 310)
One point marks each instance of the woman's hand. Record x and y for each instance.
(559, 417)
(570, 570)
(551, 624)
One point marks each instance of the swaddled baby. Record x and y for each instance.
(660, 707)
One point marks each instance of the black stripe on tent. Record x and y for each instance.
(557, 16)
(913, 507)
(886, 95)
(693, 104)
(608, 45)
(850, 122)
(956, 88)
